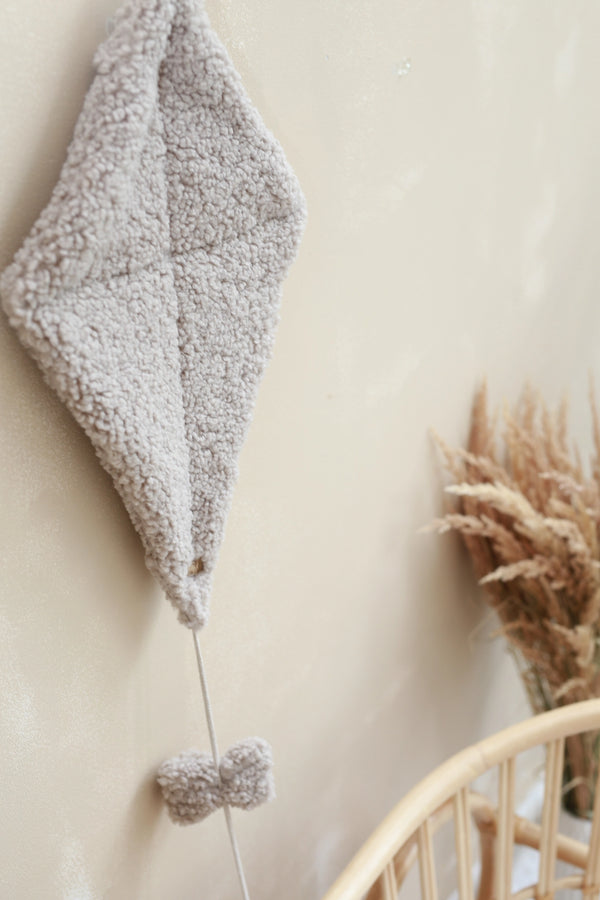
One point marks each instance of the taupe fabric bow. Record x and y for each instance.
(193, 787)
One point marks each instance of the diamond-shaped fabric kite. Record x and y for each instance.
(148, 289)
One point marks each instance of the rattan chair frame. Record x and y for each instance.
(405, 835)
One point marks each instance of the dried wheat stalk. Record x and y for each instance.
(531, 524)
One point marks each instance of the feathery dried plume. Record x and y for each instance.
(531, 524)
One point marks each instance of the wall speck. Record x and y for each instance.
(19, 716)
(536, 229)
(566, 62)
(327, 851)
(75, 880)
(404, 67)
(388, 384)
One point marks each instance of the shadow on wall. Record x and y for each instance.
(70, 84)
(418, 684)
(63, 479)
(134, 840)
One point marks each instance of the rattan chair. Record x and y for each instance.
(405, 836)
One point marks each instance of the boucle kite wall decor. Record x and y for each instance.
(148, 292)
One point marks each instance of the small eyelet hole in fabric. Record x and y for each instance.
(196, 567)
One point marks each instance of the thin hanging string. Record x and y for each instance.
(215, 752)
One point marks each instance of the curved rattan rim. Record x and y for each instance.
(458, 771)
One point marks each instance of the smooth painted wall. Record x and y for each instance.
(448, 153)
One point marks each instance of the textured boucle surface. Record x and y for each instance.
(193, 788)
(148, 289)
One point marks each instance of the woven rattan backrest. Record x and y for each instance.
(379, 867)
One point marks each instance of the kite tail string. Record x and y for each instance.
(215, 753)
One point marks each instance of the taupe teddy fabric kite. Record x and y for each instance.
(148, 288)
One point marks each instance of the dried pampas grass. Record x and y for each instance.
(531, 523)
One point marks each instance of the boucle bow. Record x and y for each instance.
(193, 787)
(148, 292)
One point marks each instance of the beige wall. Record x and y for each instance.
(453, 228)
